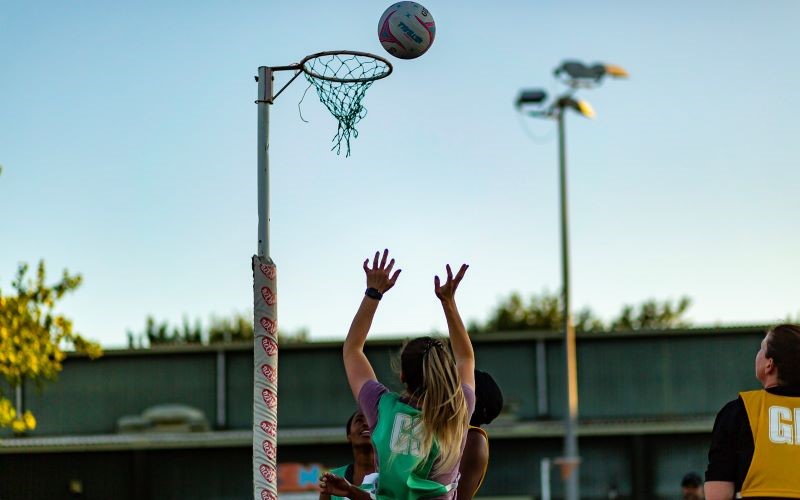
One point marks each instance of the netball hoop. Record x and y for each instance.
(341, 79)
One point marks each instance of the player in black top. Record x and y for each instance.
(735, 464)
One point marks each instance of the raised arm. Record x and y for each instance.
(379, 280)
(459, 339)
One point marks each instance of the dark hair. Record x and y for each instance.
(349, 422)
(691, 480)
(411, 362)
(783, 346)
(488, 399)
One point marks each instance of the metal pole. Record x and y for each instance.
(544, 475)
(222, 390)
(541, 378)
(264, 101)
(20, 398)
(570, 365)
(265, 320)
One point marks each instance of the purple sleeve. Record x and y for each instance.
(469, 396)
(368, 398)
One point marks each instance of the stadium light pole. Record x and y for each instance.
(575, 75)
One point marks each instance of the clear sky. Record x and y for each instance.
(128, 145)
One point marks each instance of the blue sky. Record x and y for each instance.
(128, 145)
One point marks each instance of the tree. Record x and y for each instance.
(32, 337)
(651, 315)
(237, 327)
(544, 312)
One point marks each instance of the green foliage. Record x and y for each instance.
(160, 333)
(32, 335)
(541, 312)
(544, 312)
(653, 315)
(237, 327)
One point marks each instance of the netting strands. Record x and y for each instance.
(341, 80)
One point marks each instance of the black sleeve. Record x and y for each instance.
(726, 452)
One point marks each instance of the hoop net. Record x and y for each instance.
(341, 79)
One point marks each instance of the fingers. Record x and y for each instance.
(449, 273)
(391, 281)
(389, 268)
(385, 255)
(375, 261)
(436, 283)
(461, 272)
(366, 268)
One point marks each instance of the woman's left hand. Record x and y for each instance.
(380, 276)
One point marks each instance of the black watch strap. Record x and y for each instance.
(373, 293)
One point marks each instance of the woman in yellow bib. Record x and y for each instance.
(755, 444)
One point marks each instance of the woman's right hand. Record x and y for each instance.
(380, 276)
(332, 484)
(447, 292)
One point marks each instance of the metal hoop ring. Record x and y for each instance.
(312, 74)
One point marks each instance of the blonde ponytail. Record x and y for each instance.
(430, 374)
(444, 409)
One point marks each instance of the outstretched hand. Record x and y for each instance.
(447, 292)
(332, 484)
(380, 275)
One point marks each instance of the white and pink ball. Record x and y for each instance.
(406, 30)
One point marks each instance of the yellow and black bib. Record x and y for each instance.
(775, 424)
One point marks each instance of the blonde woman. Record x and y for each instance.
(419, 435)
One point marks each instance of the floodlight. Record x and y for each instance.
(531, 96)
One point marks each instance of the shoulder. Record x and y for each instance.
(368, 399)
(372, 390)
(469, 397)
(730, 417)
(731, 409)
(477, 441)
(475, 430)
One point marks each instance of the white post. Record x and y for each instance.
(265, 321)
(544, 471)
(264, 101)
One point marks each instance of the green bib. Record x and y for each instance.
(397, 438)
(342, 472)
